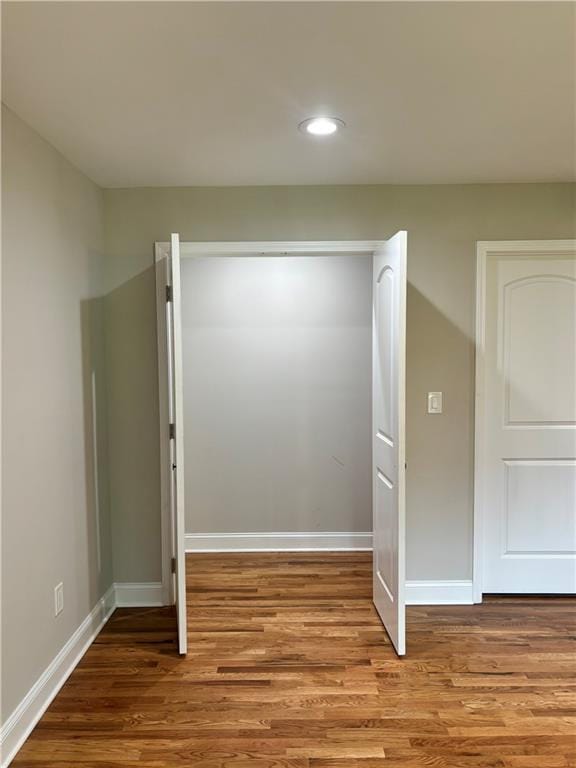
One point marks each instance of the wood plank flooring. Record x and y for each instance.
(289, 667)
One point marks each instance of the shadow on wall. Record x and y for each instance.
(440, 474)
(97, 524)
(133, 430)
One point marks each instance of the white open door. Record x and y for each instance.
(388, 434)
(171, 425)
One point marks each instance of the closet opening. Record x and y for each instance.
(281, 384)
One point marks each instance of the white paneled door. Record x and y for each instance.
(171, 427)
(526, 417)
(388, 433)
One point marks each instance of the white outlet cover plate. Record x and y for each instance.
(435, 402)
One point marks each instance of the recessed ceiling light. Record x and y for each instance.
(321, 126)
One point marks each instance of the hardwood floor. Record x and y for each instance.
(289, 667)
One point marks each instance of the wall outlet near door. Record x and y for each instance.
(434, 402)
(58, 598)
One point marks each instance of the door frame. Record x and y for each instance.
(191, 249)
(484, 250)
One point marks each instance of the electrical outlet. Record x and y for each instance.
(58, 598)
(435, 402)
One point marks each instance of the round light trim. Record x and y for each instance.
(321, 126)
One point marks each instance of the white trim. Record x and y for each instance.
(18, 726)
(524, 246)
(138, 594)
(477, 535)
(177, 463)
(167, 534)
(485, 249)
(339, 541)
(439, 593)
(270, 248)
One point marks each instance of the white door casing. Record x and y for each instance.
(171, 427)
(163, 279)
(177, 444)
(388, 434)
(525, 532)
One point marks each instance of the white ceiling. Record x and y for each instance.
(149, 94)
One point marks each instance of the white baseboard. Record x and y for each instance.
(18, 726)
(138, 595)
(449, 592)
(439, 593)
(278, 542)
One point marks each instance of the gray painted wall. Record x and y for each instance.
(134, 464)
(277, 364)
(443, 223)
(53, 343)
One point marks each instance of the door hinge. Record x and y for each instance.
(168, 293)
(171, 431)
(173, 565)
